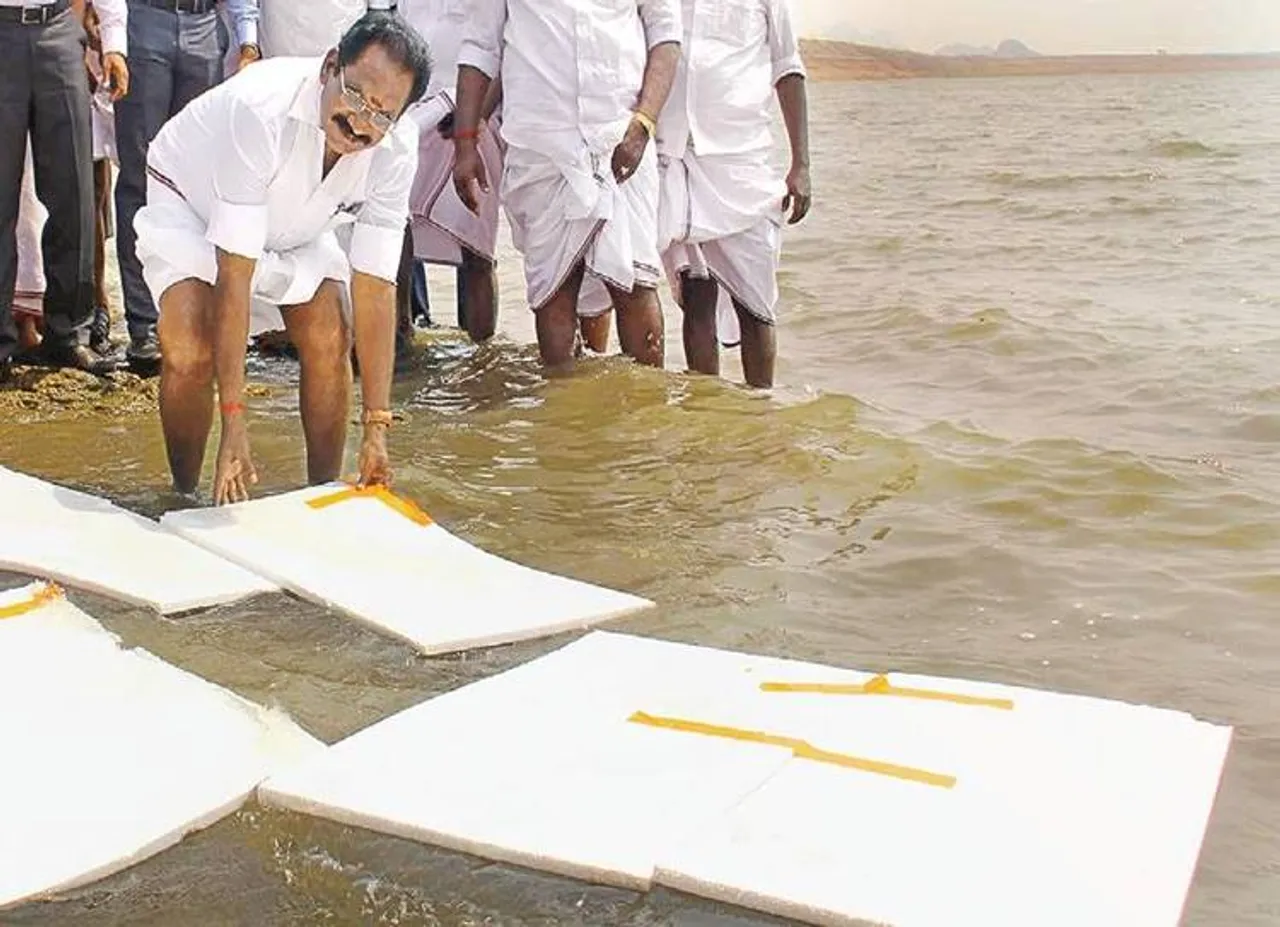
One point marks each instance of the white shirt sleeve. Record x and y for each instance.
(113, 24)
(378, 236)
(783, 44)
(482, 39)
(662, 21)
(241, 174)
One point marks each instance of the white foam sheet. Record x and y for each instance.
(84, 541)
(1065, 810)
(418, 583)
(537, 767)
(111, 755)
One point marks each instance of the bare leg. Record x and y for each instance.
(557, 323)
(102, 199)
(699, 298)
(759, 349)
(186, 333)
(477, 296)
(595, 330)
(640, 325)
(323, 340)
(404, 295)
(28, 331)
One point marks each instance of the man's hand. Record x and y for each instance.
(115, 73)
(628, 155)
(469, 177)
(375, 465)
(234, 473)
(248, 55)
(799, 196)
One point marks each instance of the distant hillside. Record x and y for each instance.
(832, 60)
(1009, 48)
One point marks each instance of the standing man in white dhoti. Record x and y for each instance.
(248, 186)
(723, 203)
(583, 82)
(441, 228)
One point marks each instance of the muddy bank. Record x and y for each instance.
(38, 393)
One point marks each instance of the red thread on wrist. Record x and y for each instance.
(232, 408)
(466, 134)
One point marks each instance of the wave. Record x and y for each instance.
(1182, 148)
(1019, 181)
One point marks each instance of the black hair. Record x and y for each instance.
(398, 39)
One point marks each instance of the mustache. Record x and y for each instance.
(347, 129)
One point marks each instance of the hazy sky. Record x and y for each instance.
(1052, 26)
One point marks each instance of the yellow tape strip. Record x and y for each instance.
(880, 685)
(802, 749)
(49, 593)
(382, 494)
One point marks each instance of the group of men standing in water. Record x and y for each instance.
(626, 141)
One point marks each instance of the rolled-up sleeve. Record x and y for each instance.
(113, 25)
(242, 170)
(662, 21)
(244, 15)
(482, 38)
(784, 47)
(378, 236)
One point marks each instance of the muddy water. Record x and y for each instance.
(1026, 432)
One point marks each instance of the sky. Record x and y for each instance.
(1051, 26)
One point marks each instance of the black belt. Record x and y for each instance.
(180, 6)
(34, 15)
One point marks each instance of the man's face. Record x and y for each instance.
(359, 102)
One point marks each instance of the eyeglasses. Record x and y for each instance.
(355, 99)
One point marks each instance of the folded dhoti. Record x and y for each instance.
(568, 210)
(721, 219)
(442, 224)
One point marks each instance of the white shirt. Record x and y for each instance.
(305, 28)
(441, 23)
(734, 54)
(112, 14)
(571, 69)
(247, 156)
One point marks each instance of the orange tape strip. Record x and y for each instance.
(49, 593)
(382, 494)
(801, 749)
(880, 685)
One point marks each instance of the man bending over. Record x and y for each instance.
(253, 189)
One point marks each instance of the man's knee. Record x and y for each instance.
(186, 350)
(326, 338)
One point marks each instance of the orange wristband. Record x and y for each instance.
(466, 134)
(232, 408)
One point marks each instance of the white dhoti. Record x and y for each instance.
(28, 296)
(564, 211)
(172, 247)
(442, 224)
(721, 219)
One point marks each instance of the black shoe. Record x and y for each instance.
(6, 370)
(76, 357)
(144, 353)
(100, 332)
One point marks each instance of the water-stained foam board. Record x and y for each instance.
(111, 755)
(897, 800)
(1014, 807)
(376, 558)
(52, 532)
